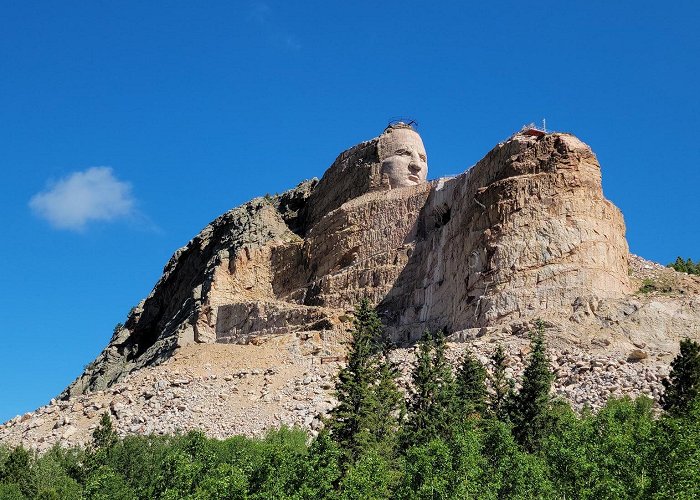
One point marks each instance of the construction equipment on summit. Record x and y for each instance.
(531, 129)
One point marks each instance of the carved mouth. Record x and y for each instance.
(413, 178)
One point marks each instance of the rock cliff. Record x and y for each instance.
(523, 233)
(245, 328)
(607, 347)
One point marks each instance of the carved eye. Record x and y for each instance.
(402, 152)
(423, 157)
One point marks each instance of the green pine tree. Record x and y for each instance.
(433, 406)
(446, 397)
(368, 400)
(532, 402)
(424, 388)
(685, 265)
(471, 386)
(502, 386)
(678, 265)
(104, 436)
(104, 440)
(388, 407)
(683, 383)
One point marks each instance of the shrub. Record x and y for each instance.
(648, 286)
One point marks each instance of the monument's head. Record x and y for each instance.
(394, 159)
(402, 156)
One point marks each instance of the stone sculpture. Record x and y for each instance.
(525, 233)
(403, 157)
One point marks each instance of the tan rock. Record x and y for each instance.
(525, 233)
(637, 355)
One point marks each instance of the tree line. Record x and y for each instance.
(685, 265)
(468, 433)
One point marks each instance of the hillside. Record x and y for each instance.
(246, 327)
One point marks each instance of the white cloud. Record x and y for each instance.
(91, 195)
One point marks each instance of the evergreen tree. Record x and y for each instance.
(433, 405)
(388, 407)
(683, 383)
(685, 265)
(104, 439)
(531, 403)
(368, 400)
(693, 267)
(502, 385)
(678, 265)
(471, 386)
(420, 415)
(104, 436)
(446, 398)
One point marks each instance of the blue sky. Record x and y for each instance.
(127, 126)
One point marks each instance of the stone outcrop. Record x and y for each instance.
(607, 347)
(244, 331)
(179, 309)
(524, 233)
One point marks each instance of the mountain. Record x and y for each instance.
(245, 328)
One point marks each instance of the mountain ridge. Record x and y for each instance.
(308, 247)
(524, 234)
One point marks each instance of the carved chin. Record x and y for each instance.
(396, 176)
(404, 182)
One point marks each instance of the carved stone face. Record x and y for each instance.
(404, 162)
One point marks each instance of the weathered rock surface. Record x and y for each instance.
(181, 308)
(522, 233)
(525, 233)
(227, 389)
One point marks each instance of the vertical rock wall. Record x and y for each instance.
(522, 234)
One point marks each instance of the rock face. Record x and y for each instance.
(524, 233)
(606, 348)
(521, 234)
(243, 332)
(226, 389)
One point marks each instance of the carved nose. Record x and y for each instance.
(414, 167)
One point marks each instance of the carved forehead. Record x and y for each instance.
(396, 138)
